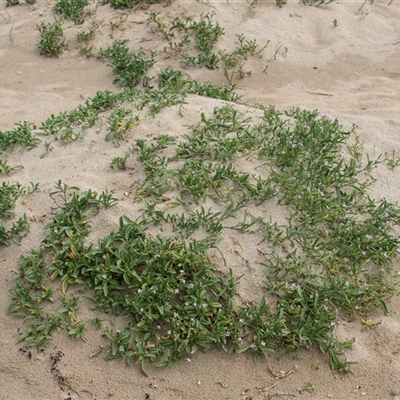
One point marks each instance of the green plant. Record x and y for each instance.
(48, 148)
(392, 159)
(233, 62)
(178, 83)
(120, 121)
(119, 163)
(129, 3)
(85, 36)
(5, 168)
(52, 41)
(205, 33)
(8, 196)
(73, 10)
(130, 67)
(21, 136)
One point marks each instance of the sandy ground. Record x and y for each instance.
(350, 71)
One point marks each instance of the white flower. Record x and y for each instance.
(263, 343)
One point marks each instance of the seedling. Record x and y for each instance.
(8, 196)
(233, 64)
(246, 46)
(85, 36)
(52, 42)
(48, 148)
(5, 168)
(119, 163)
(392, 159)
(120, 121)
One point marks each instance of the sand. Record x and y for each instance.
(349, 71)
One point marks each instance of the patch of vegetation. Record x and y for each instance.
(121, 4)
(333, 254)
(120, 121)
(73, 10)
(52, 41)
(9, 194)
(205, 34)
(21, 136)
(130, 67)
